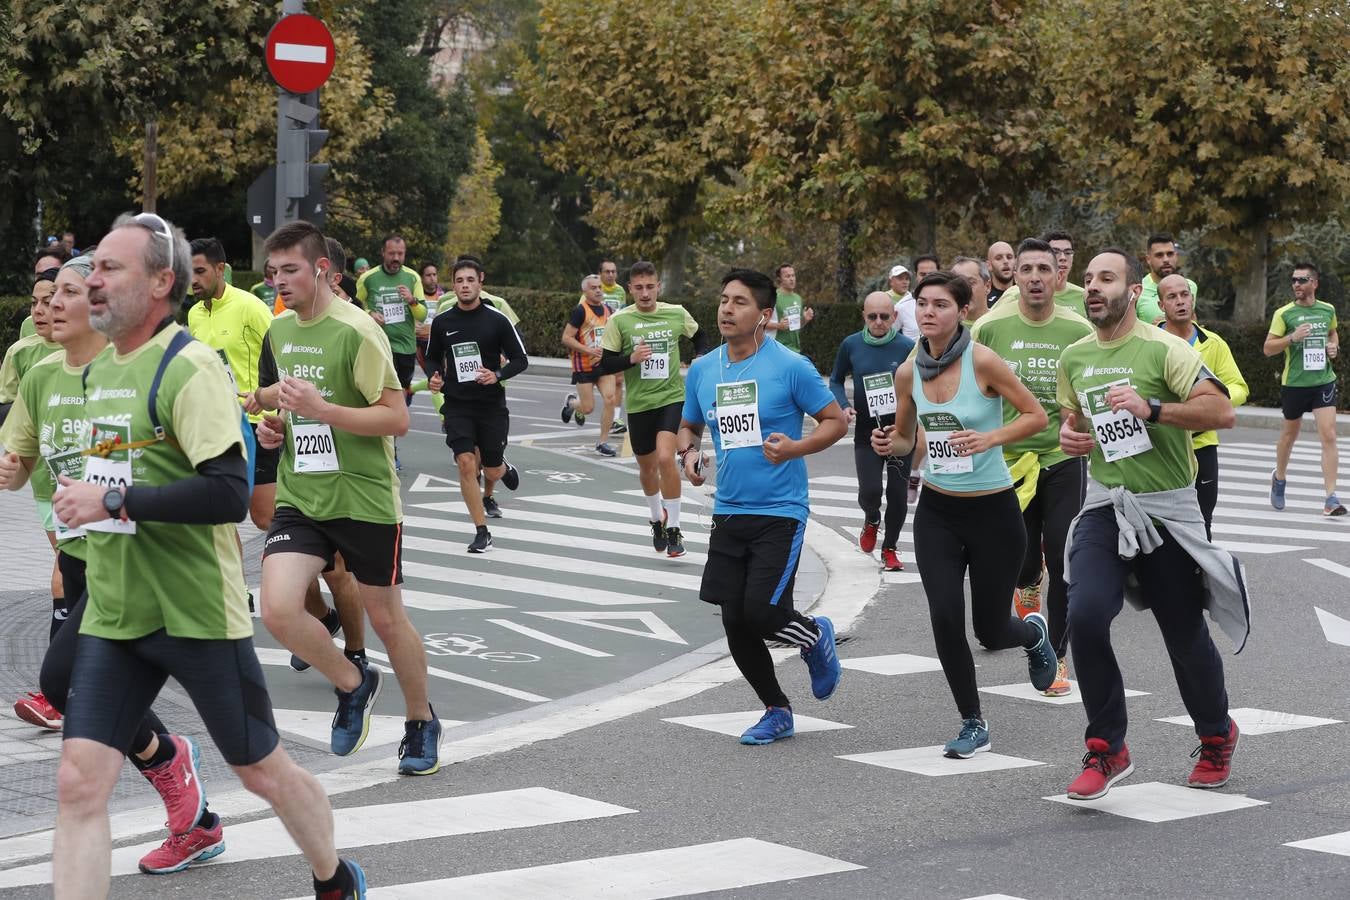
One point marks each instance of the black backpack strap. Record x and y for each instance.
(176, 343)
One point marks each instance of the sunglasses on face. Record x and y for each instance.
(1301, 279)
(879, 317)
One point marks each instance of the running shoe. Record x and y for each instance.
(1215, 765)
(674, 543)
(618, 428)
(1277, 491)
(971, 739)
(1027, 600)
(890, 560)
(482, 542)
(35, 710)
(178, 784)
(491, 509)
(419, 753)
(659, 535)
(775, 724)
(912, 495)
(1042, 663)
(1333, 507)
(1060, 687)
(251, 609)
(299, 664)
(511, 477)
(351, 722)
(605, 450)
(822, 661)
(182, 850)
(1101, 769)
(567, 409)
(357, 879)
(581, 418)
(867, 538)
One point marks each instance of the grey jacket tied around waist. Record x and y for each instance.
(1225, 584)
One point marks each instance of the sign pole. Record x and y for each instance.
(283, 203)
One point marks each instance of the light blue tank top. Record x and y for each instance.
(969, 409)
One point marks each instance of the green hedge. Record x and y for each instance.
(13, 310)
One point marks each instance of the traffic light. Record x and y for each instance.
(299, 181)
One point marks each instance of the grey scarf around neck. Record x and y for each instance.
(928, 367)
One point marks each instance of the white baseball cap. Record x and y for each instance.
(898, 270)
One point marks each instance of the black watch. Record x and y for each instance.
(113, 500)
(1154, 409)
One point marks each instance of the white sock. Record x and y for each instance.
(672, 513)
(654, 507)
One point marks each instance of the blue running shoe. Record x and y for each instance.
(351, 722)
(420, 751)
(1277, 491)
(1042, 663)
(973, 738)
(357, 891)
(776, 723)
(823, 662)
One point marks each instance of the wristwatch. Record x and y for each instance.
(1154, 409)
(113, 501)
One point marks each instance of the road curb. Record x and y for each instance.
(1273, 419)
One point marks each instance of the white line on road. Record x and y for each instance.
(528, 586)
(271, 656)
(578, 542)
(548, 638)
(596, 526)
(514, 558)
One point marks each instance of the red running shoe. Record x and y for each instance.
(890, 561)
(1216, 759)
(179, 785)
(35, 710)
(182, 850)
(1101, 769)
(867, 539)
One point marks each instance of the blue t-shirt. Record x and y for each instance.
(787, 386)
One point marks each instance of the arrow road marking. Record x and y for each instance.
(1336, 629)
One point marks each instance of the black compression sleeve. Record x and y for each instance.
(4, 411)
(267, 364)
(216, 495)
(700, 340)
(612, 361)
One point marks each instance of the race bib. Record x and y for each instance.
(880, 391)
(468, 359)
(794, 321)
(313, 446)
(1120, 434)
(394, 312)
(229, 372)
(657, 366)
(738, 414)
(71, 465)
(112, 471)
(597, 333)
(938, 428)
(1314, 354)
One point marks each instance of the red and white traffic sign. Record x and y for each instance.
(300, 53)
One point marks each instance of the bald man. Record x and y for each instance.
(1001, 260)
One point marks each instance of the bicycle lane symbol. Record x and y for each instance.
(560, 477)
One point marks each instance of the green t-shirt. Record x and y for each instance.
(48, 422)
(26, 327)
(655, 382)
(789, 308)
(1032, 350)
(264, 292)
(185, 579)
(21, 356)
(1148, 307)
(502, 306)
(616, 298)
(1072, 296)
(346, 355)
(378, 291)
(1156, 364)
(1301, 358)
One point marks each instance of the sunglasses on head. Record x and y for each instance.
(157, 226)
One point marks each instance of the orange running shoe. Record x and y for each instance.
(1027, 600)
(1060, 687)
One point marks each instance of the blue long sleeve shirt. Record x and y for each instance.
(858, 358)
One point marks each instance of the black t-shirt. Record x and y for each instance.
(578, 316)
(492, 332)
(995, 292)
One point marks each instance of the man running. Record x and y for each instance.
(162, 488)
(871, 356)
(1030, 332)
(1001, 260)
(1066, 293)
(926, 264)
(1178, 306)
(266, 290)
(790, 314)
(1305, 332)
(582, 334)
(976, 273)
(1162, 262)
(1131, 396)
(393, 294)
(468, 343)
(616, 298)
(643, 342)
(755, 392)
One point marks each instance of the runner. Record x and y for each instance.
(790, 314)
(1162, 262)
(968, 497)
(1178, 306)
(926, 264)
(1140, 393)
(1030, 332)
(616, 298)
(468, 342)
(1066, 293)
(46, 433)
(165, 593)
(337, 493)
(903, 301)
(431, 290)
(1001, 261)
(45, 265)
(755, 391)
(1305, 332)
(266, 290)
(582, 336)
(643, 342)
(976, 273)
(24, 353)
(871, 356)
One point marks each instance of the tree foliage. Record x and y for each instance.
(476, 216)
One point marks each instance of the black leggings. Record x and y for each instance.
(982, 534)
(1207, 483)
(1059, 496)
(870, 467)
(59, 662)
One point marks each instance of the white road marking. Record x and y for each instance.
(1260, 721)
(1156, 802)
(571, 540)
(469, 578)
(930, 761)
(652, 626)
(734, 724)
(1022, 690)
(515, 558)
(584, 523)
(548, 638)
(1334, 628)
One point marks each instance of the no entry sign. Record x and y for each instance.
(300, 53)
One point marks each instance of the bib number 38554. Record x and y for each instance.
(738, 415)
(1120, 434)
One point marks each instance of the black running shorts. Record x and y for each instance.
(644, 426)
(1295, 401)
(752, 560)
(485, 428)
(405, 364)
(372, 552)
(265, 461)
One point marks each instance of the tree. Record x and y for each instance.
(1233, 120)
(476, 216)
(633, 107)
